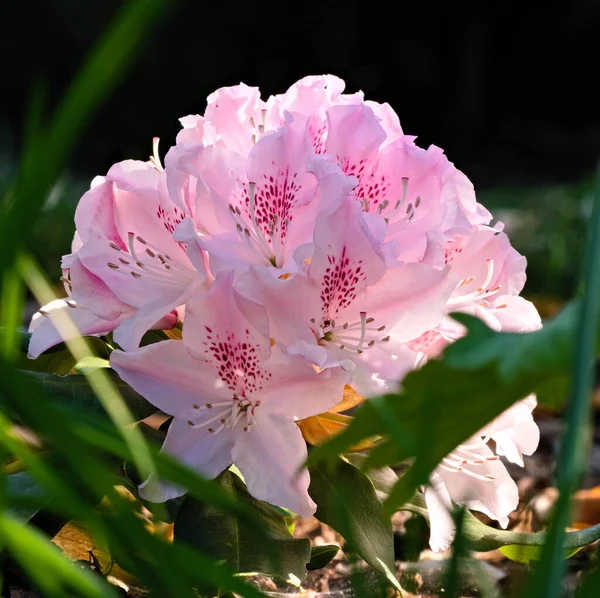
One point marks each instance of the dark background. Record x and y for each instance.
(508, 89)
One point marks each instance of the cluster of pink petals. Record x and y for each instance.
(305, 243)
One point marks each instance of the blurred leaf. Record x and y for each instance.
(59, 360)
(45, 565)
(87, 364)
(347, 501)
(483, 374)
(590, 580)
(322, 555)
(11, 312)
(25, 496)
(76, 391)
(223, 536)
(79, 440)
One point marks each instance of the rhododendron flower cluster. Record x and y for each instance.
(303, 244)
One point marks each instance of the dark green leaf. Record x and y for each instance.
(347, 501)
(25, 496)
(383, 478)
(153, 336)
(75, 391)
(58, 360)
(223, 536)
(321, 556)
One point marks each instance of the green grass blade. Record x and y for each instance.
(11, 313)
(547, 581)
(104, 387)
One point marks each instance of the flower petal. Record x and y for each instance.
(208, 454)
(269, 456)
(223, 316)
(45, 335)
(496, 495)
(439, 507)
(297, 390)
(169, 377)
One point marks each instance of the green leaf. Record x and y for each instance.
(347, 501)
(321, 556)
(75, 391)
(25, 496)
(88, 364)
(59, 360)
(483, 374)
(223, 536)
(153, 336)
(520, 546)
(383, 478)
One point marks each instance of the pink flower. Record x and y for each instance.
(350, 307)
(416, 191)
(127, 271)
(490, 276)
(257, 210)
(473, 475)
(234, 398)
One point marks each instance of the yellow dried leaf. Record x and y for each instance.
(319, 428)
(350, 399)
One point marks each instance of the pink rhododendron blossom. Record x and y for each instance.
(491, 274)
(257, 210)
(473, 474)
(128, 270)
(351, 308)
(310, 244)
(234, 398)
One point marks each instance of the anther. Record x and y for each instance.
(141, 240)
(113, 266)
(135, 274)
(71, 303)
(124, 261)
(114, 246)
(150, 252)
(196, 406)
